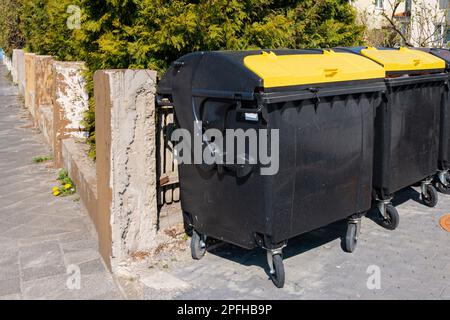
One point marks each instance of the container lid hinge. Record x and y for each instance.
(315, 91)
(447, 86)
(241, 109)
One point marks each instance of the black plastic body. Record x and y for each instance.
(444, 139)
(407, 133)
(326, 135)
(408, 128)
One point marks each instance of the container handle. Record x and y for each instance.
(330, 72)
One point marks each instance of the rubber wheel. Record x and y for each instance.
(392, 220)
(187, 224)
(430, 198)
(351, 237)
(278, 276)
(198, 246)
(445, 189)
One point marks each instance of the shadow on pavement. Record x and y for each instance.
(307, 241)
(296, 246)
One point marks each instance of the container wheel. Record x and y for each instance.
(198, 246)
(442, 188)
(430, 198)
(187, 224)
(277, 272)
(351, 237)
(392, 218)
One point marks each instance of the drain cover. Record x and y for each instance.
(445, 222)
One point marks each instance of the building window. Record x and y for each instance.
(408, 6)
(379, 4)
(447, 37)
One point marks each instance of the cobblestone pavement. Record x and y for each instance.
(413, 263)
(40, 235)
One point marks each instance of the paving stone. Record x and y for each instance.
(28, 232)
(92, 267)
(11, 297)
(80, 245)
(9, 286)
(8, 243)
(4, 227)
(91, 286)
(9, 264)
(81, 257)
(74, 236)
(44, 271)
(41, 254)
(48, 288)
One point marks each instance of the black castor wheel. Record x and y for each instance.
(188, 228)
(277, 272)
(442, 188)
(351, 236)
(392, 218)
(430, 197)
(198, 245)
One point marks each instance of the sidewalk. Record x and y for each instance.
(41, 235)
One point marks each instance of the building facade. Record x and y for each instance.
(408, 22)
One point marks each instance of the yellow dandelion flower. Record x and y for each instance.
(56, 193)
(55, 189)
(67, 186)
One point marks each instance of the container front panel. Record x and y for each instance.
(326, 154)
(325, 172)
(407, 136)
(223, 205)
(444, 139)
(444, 143)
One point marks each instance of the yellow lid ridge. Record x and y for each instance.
(404, 59)
(304, 69)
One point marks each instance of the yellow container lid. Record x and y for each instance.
(302, 69)
(404, 59)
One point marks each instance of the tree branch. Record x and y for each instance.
(395, 28)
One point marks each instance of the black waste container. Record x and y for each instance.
(319, 104)
(442, 179)
(406, 125)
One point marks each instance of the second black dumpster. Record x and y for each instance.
(406, 125)
(313, 110)
(442, 179)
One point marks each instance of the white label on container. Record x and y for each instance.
(251, 116)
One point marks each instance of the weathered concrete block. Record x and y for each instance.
(82, 171)
(14, 65)
(70, 101)
(19, 65)
(126, 161)
(30, 82)
(43, 88)
(46, 123)
(38, 75)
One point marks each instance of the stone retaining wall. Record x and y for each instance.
(121, 189)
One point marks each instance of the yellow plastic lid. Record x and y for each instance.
(404, 59)
(303, 69)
